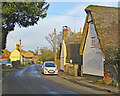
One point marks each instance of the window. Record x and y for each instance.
(49, 65)
(93, 42)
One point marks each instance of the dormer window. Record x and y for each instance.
(93, 42)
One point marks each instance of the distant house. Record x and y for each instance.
(100, 34)
(23, 51)
(30, 56)
(6, 54)
(16, 54)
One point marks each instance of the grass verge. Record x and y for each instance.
(7, 70)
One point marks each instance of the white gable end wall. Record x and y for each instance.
(92, 59)
(63, 56)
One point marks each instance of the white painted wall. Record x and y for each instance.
(92, 59)
(63, 56)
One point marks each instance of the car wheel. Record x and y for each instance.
(9, 66)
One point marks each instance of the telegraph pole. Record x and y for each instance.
(20, 51)
(54, 45)
(37, 54)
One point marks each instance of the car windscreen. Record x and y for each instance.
(49, 65)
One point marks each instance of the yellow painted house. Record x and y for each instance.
(28, 55)
(15, 54)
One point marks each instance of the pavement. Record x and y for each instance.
(90, 83)
(30, 80)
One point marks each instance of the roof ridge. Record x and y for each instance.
(89, 7)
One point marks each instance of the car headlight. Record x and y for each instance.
(56, 69)
(46, 69)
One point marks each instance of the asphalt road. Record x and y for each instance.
(29, 80)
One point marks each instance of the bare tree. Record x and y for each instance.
(50, 39)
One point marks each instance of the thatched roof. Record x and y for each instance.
(105, 20)
(72, 48)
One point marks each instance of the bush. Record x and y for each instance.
(115, 84)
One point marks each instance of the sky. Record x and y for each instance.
(70, 13)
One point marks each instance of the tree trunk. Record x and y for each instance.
(4, 39)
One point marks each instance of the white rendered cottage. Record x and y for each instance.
(98, 23)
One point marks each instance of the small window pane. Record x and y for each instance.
(93, 41)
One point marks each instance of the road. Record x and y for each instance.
(29, 80)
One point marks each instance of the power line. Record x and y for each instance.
(65, 15)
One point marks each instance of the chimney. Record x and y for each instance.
(65, 32)
(17, 46)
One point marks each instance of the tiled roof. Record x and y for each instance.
(31, 52)
(23, 51)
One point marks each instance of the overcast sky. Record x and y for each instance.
(67, 13)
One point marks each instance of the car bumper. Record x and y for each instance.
(47, 72)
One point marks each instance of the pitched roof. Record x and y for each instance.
(6, 52)
(31, 51)
(74, 40)
(5, 57)
(28, 54)
(105, 20)
(23, 51)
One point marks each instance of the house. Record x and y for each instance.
(100, 37)
(70, 49)
(23, 51)
(30, 56)
(16, 54)
(73, 57)
(63, 48)
(63, 56)
(6, 54)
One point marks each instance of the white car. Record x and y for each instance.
(6, 63)
(49, 68)
(9, 64)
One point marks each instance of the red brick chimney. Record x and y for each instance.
(65, 32)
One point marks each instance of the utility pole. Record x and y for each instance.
(37, 54)
(54, 49)
(20, 51)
